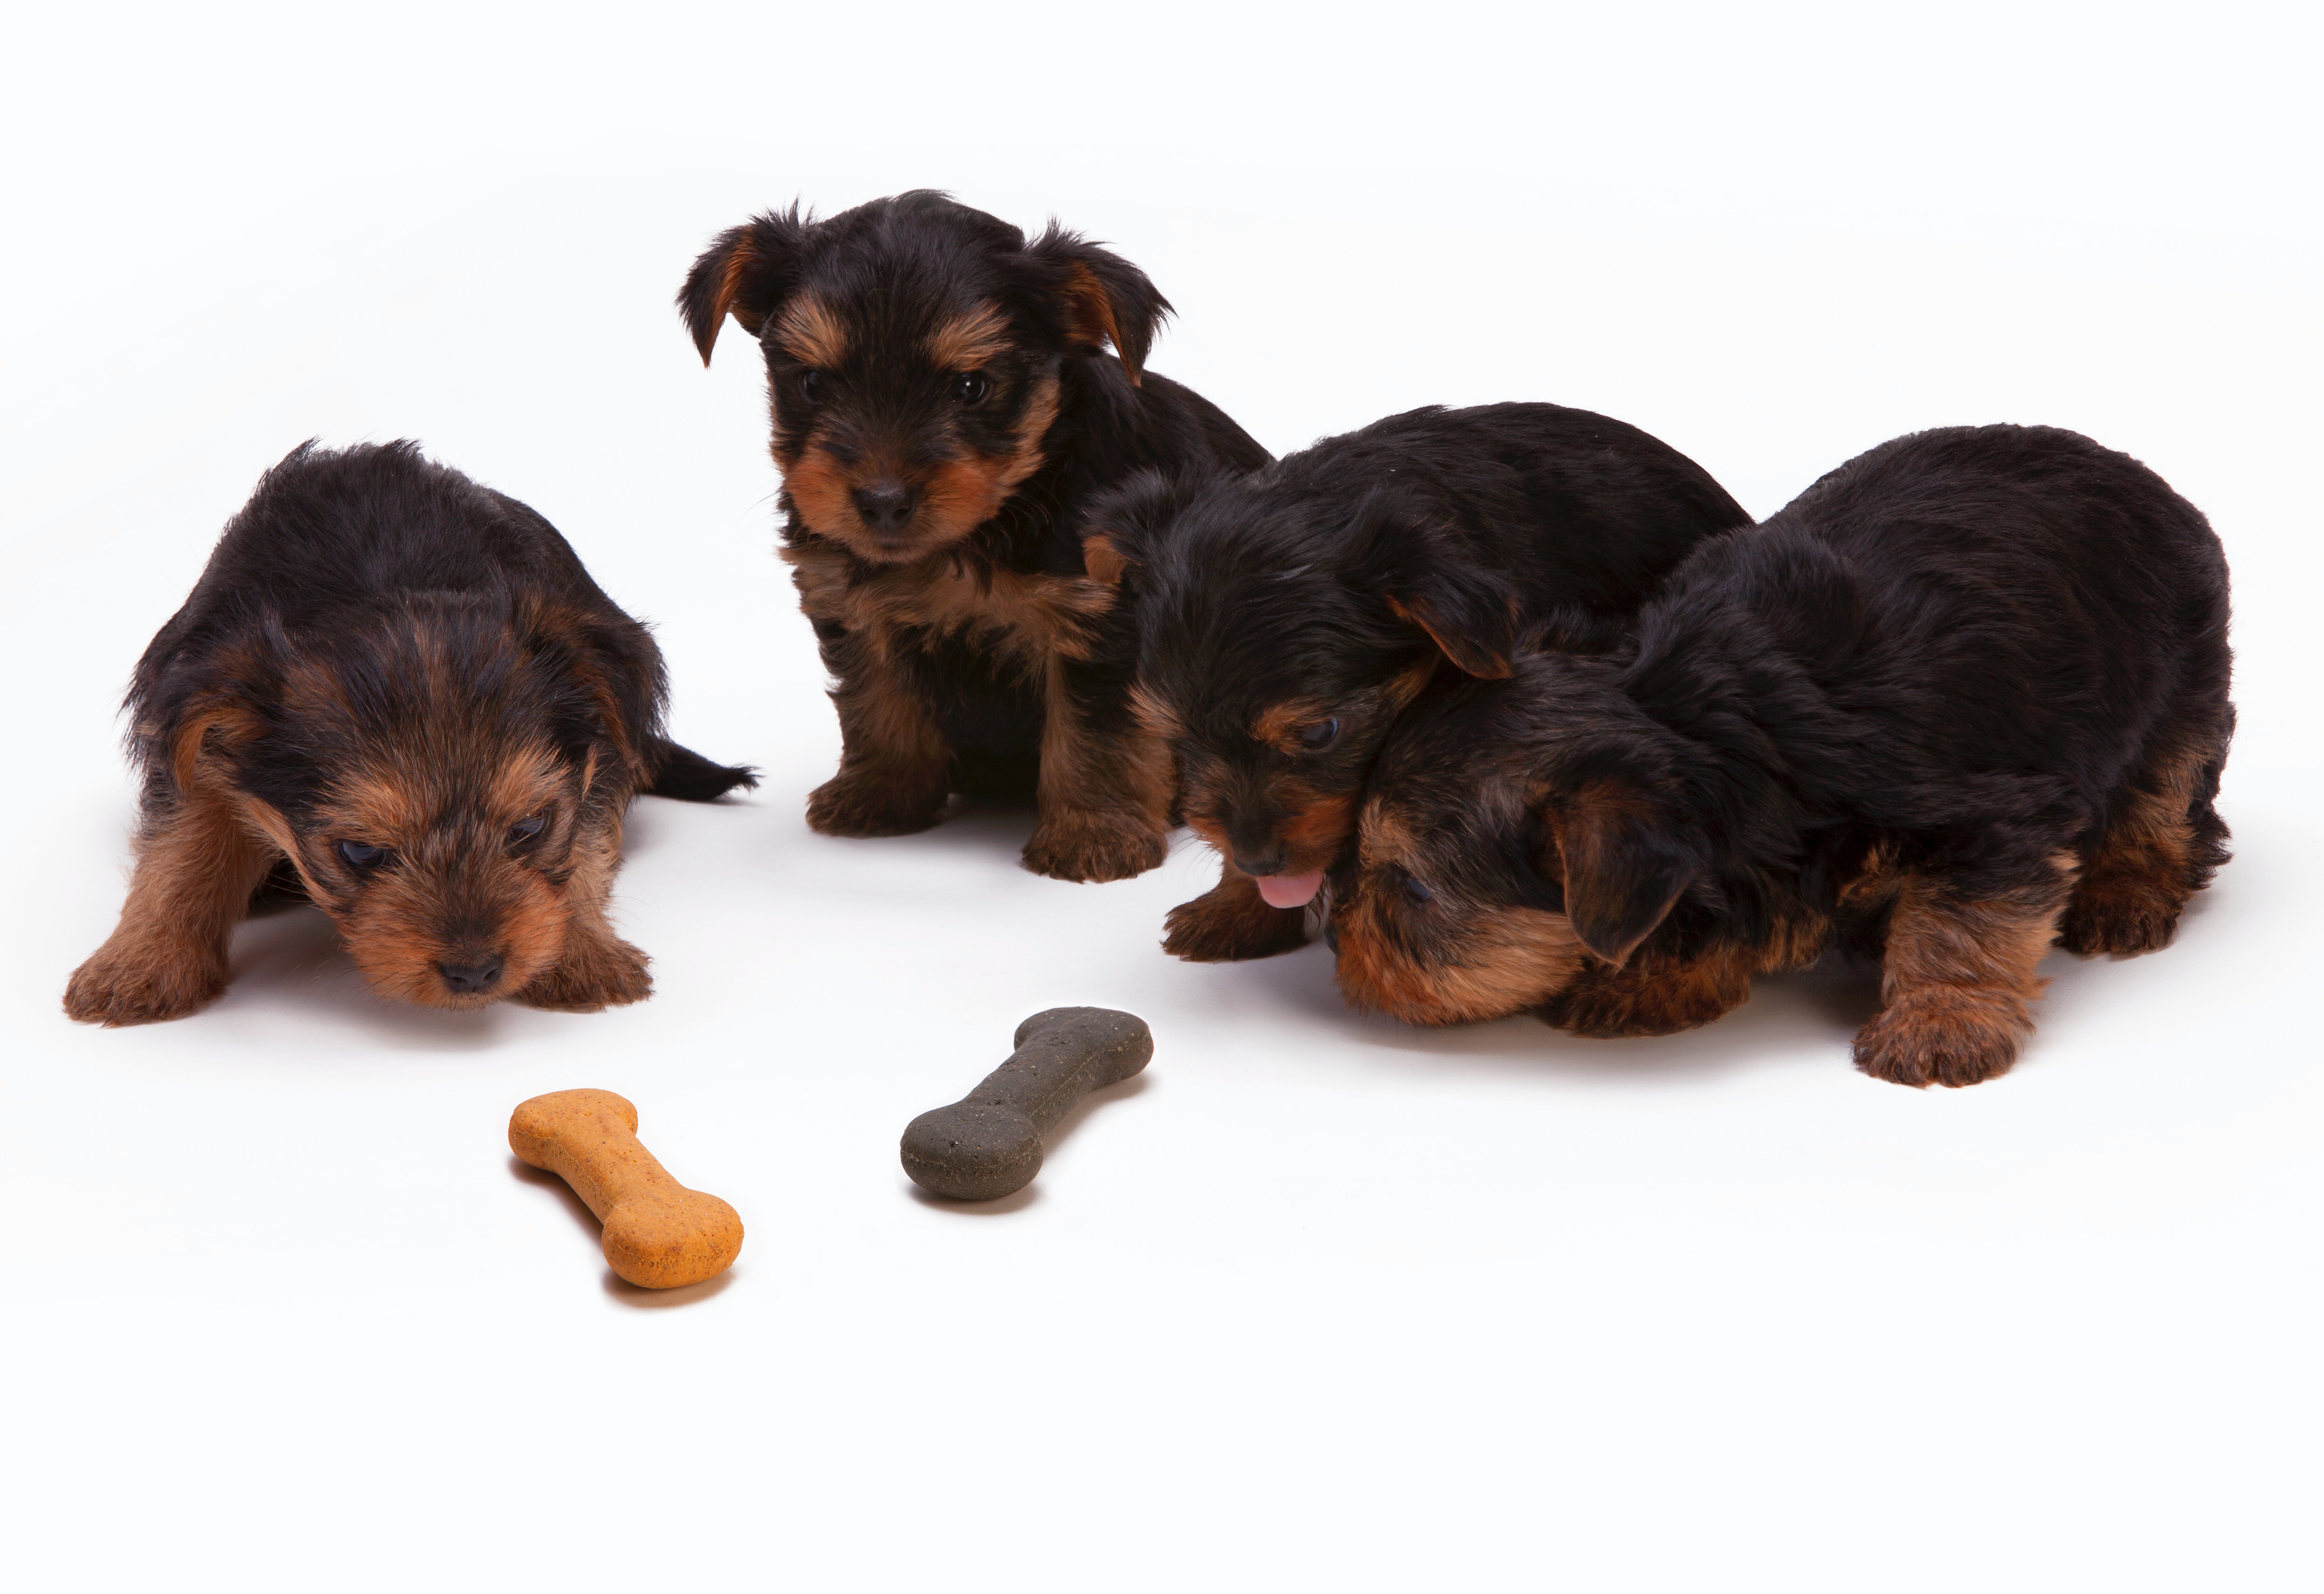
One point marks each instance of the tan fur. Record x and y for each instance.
(1101, 560)
(2139, 877)
(1652, 994)
(1022, 619)
(1958, 981)
(812, 333)
(964, 343)
(197, 865)
(1090, 315)
(1510, 959)
(1104, 804)
(1280, 725)
(1232, 921)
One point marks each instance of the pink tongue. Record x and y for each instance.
(1290, 891)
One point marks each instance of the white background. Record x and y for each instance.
(1321, 1302)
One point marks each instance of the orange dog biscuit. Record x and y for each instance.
(658, 1234)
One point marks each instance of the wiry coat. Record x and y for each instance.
(1966, 695)
(384, 657)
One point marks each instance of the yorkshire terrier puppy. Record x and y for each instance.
(397, 691)
(1286, 616)
(942, 409)
(1964, 699)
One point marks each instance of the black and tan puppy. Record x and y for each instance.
(944, 407)
(1287, 616)
(403, 686)
(1964, 698)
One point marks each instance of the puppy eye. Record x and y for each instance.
(971, 388)
(362, 856)
(1320, 735)
(524, 830)
(1417, 891)
(810, 385)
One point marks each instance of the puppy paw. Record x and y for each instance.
(1093, 847)
(1922, 1043)
(141, 985)
(855, 805)
(595, 974)
(1634, 1002)
(2123, 921)
(1231, 922)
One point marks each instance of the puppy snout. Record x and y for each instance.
(1266, 859)
(886, 506)
(471, 976)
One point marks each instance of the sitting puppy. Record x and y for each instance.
(942, 410)
(1965, 698)
(404, 686)
(1287, 616)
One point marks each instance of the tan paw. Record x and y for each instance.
(142, 985)
(855, 805)
(1642, 1001)
(1937, 1042)
(594, 974)
(1231, 922)
(1094, 847)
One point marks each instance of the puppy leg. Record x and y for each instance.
(198, 864)
(1957, 981)
(891, 779)
(596, 968)
(1652, 994)
(1105, 782)
(1231, 922)
(2158, 849)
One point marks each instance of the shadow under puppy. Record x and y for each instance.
(943, 408)
(1964, 698)
(1286, 617)
(403, 685)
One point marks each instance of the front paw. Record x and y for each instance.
(859, 805)
(595, 974)
(141, 985)
(1231, 922)
(1094, 847)
(1635, 1003)
(1937, 1043)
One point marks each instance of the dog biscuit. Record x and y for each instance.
(658, 1234)
(988, 1144)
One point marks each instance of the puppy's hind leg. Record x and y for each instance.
(198, 864)
(2161, 846)
(1957, 979)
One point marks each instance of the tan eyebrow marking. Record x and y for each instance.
(811, 334)
(967, 341)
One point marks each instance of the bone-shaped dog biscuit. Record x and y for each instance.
(988, 1144)
(658, 1234)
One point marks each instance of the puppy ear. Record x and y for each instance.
(1126, 524)
(746, 273)
(1624, 866)
(611, 679)
(1429, 583)
(1104, 299)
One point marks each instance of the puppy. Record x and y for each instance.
(944, 407)
(401, 691)
(1965, 698)
(1288, 615)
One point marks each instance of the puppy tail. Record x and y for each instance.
(682, 773)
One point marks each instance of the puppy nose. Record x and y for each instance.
(468, 979)
(1264, 860)
(885, 506)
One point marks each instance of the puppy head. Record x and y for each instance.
(1280, 636)
(1512, 833)
(447, 780)
(914, 352)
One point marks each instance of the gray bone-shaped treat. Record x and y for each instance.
(988, 1144)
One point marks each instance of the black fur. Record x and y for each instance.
(1957, 659)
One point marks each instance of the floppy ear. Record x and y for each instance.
(746, 273)
(1429, 584)
(1124, 524)
(1104, 297)
(1624, 866)
(612, 678)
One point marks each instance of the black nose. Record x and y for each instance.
(468, 979)
(1265, 860)
(886, 506)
